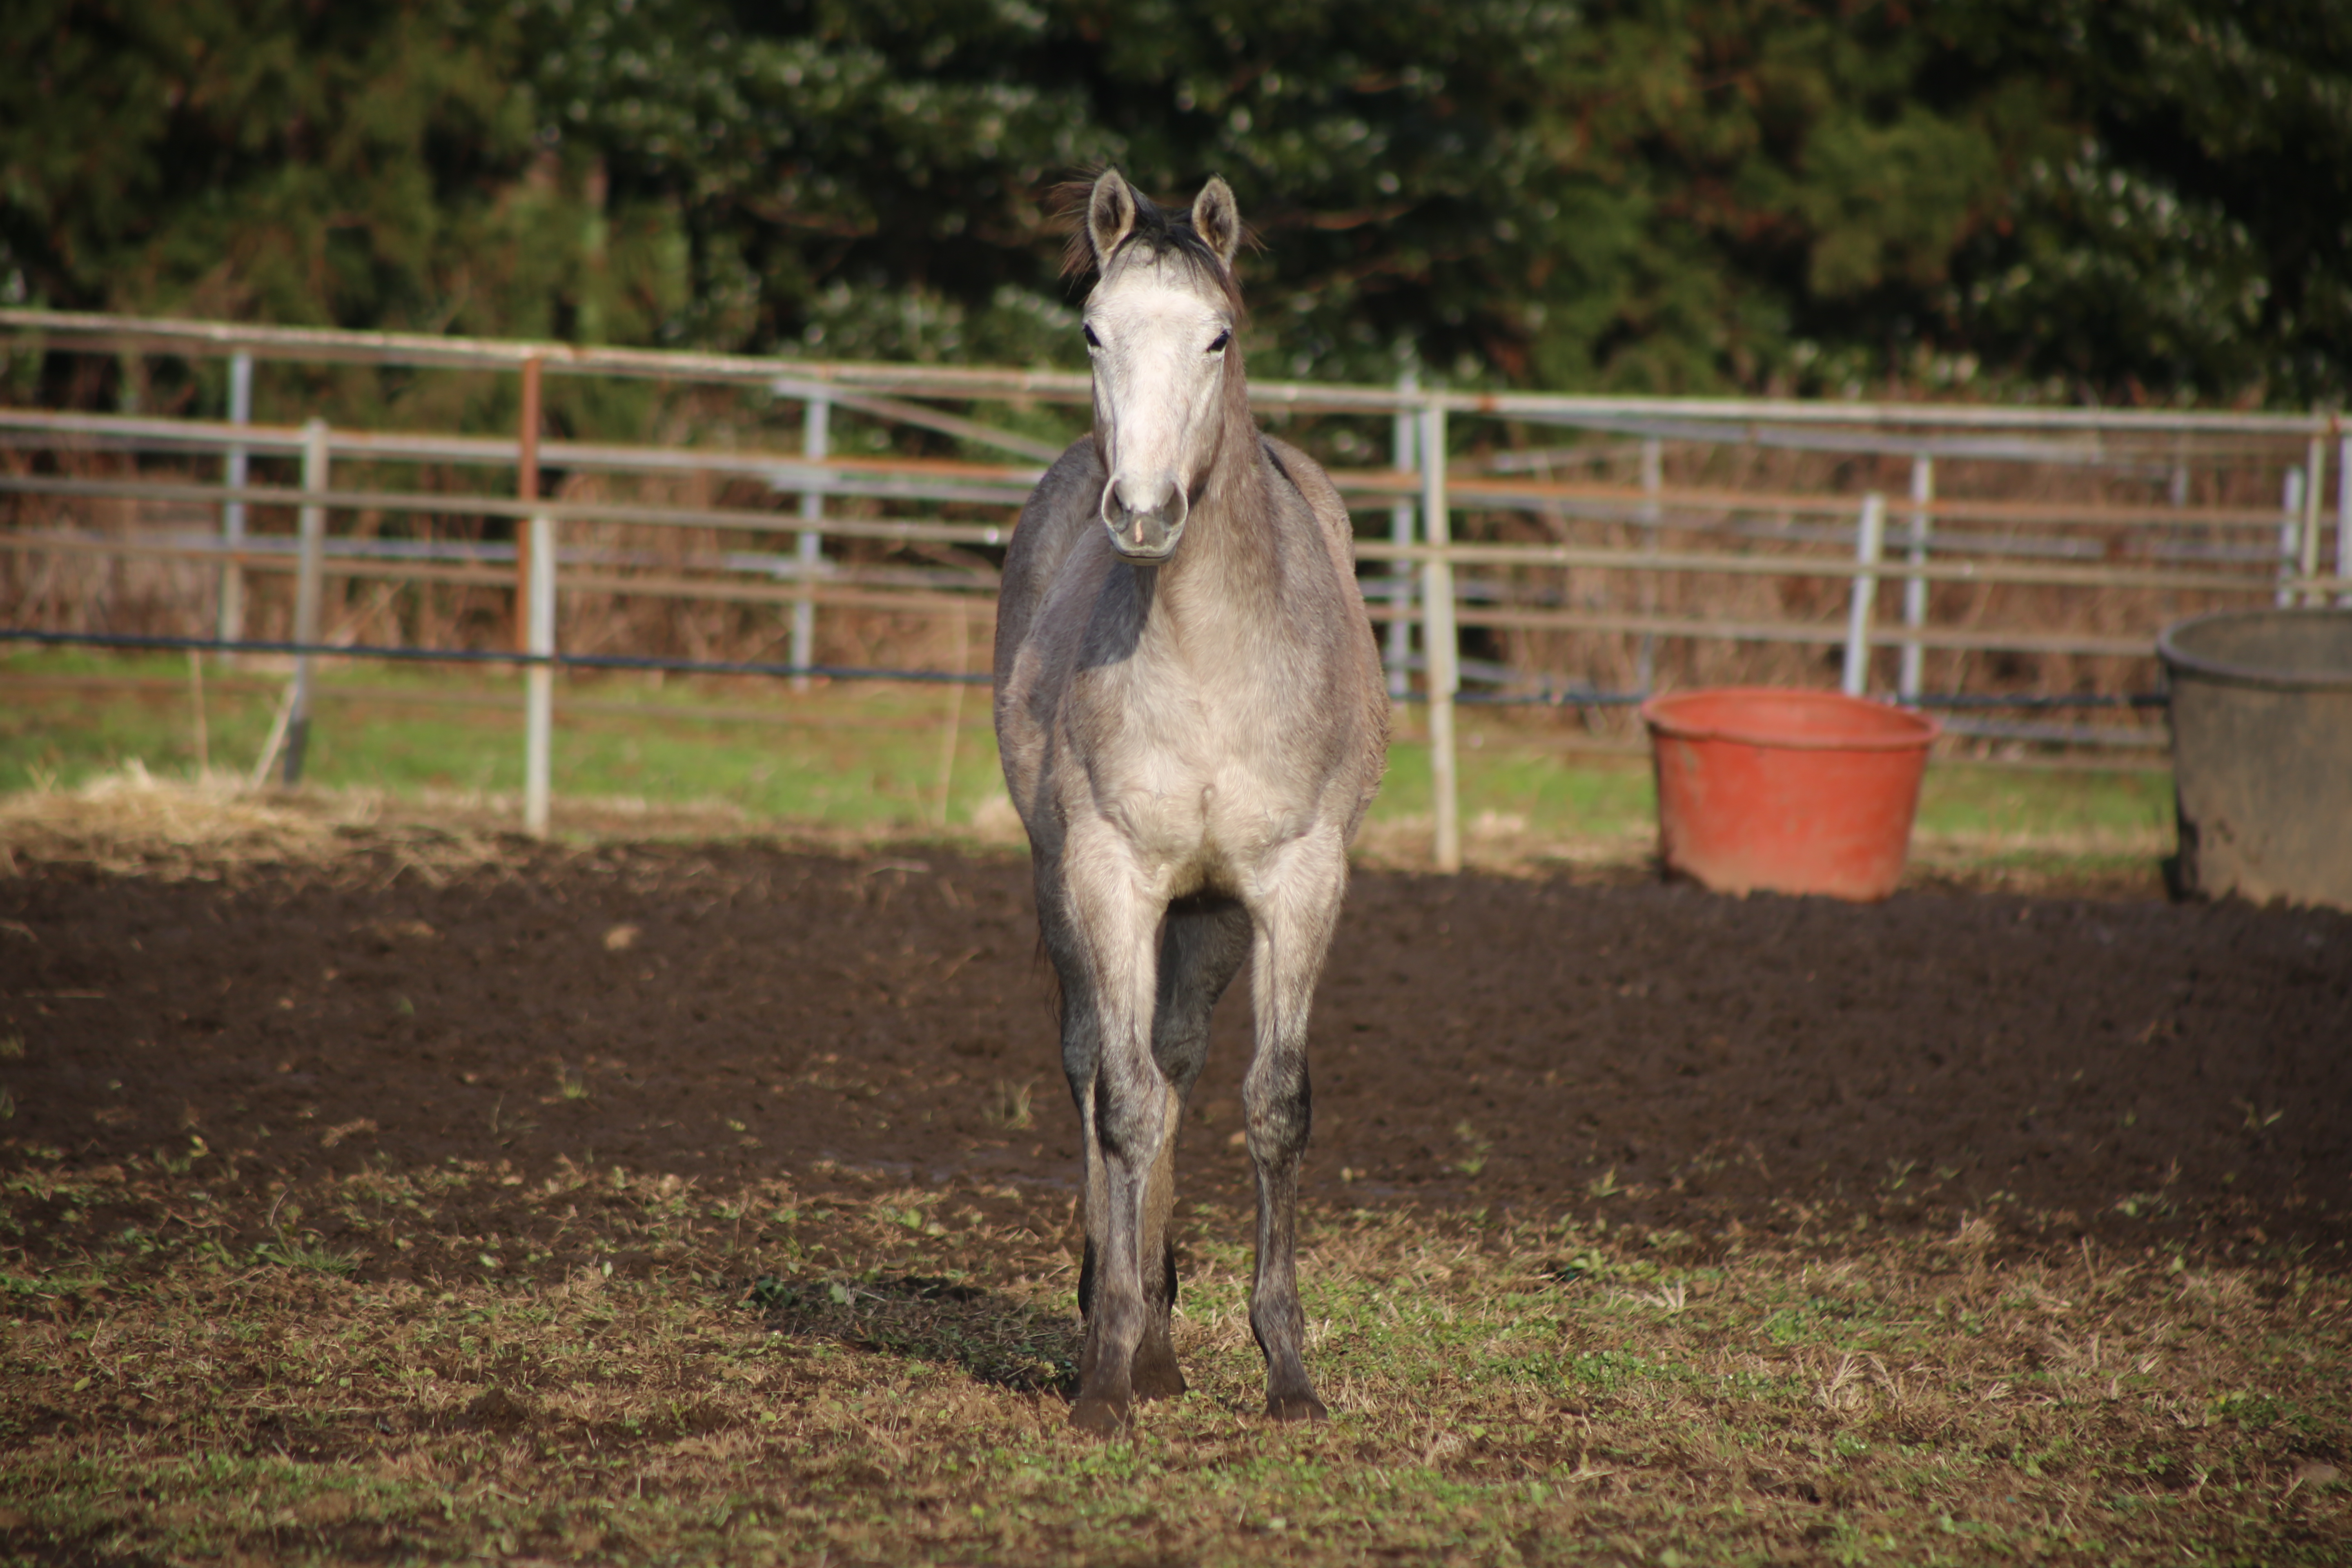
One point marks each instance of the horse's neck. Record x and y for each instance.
(1226, 581)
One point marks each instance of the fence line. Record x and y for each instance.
(1756, 420)
(938, 479)
(938, 601)
(397, 653)
(1467, 553)
(1431, 584)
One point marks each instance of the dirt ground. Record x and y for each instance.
(1651, 1054)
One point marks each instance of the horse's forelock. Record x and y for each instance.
(1161, 232)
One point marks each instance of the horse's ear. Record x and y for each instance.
(1217, 218)
(1110, 214)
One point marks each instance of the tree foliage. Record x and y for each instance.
(2132, 199)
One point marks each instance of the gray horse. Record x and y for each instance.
(1191, 712)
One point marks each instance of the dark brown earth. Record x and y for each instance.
(1648, 1052)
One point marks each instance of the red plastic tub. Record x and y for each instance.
(1788, 792)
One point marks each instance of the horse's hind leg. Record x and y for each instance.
(1202, 947)
(1293, 932)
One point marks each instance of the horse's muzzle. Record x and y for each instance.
(1149, 535)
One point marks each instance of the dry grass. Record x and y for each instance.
(130, 822)
(1508, 843)
(456, 1362)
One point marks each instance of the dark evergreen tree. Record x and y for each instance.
(2134, 199)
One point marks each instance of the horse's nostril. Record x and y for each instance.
(1142, 526)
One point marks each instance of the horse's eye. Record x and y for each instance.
(1093, 342)
(1224, 338)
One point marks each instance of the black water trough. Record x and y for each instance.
(2262, 753)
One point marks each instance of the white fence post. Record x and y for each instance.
(539, 679)
(234, 468)
(2344, 517)
(308, 582)
(1402, 444)
(1915, 588)
(1440, 646)
(534, 610)
(1869, 540)
(2316, 464)
(816, 420)
(2290, 535)
(1654, 484)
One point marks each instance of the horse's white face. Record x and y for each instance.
(1159, 331)
(1158, 349)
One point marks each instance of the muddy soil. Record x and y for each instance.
(1649, 1053)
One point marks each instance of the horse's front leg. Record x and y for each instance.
(1203, 944)
(1112, 931)
(1295, 911)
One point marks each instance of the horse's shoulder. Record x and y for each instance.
(1056, 511)
(1306, 476)
(1054, 519)
(1303, 473)
(1076, 473)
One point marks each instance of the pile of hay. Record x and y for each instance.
(130, 820)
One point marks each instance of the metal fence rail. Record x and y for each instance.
(1421, 577)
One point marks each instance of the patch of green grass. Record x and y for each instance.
(872, 754)
(1534, 788)
(307, 1255)
(1974, 799)
(876, 756)
(662, 1372)
(657, 1371)
(1521, 781)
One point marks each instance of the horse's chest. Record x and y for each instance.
(1202, 800)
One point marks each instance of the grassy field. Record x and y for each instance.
(456, 1363)
(882, 758)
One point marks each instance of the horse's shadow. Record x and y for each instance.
(994, 1338)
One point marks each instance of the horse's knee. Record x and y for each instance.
(1129, 1125)
(1279, 1110)
(1181, 1054)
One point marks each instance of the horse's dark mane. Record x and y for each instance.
(1165, 231)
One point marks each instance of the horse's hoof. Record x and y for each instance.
(1155, 1375)
(1295, 1407)
(1163, 1382)
(1102, 1417)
